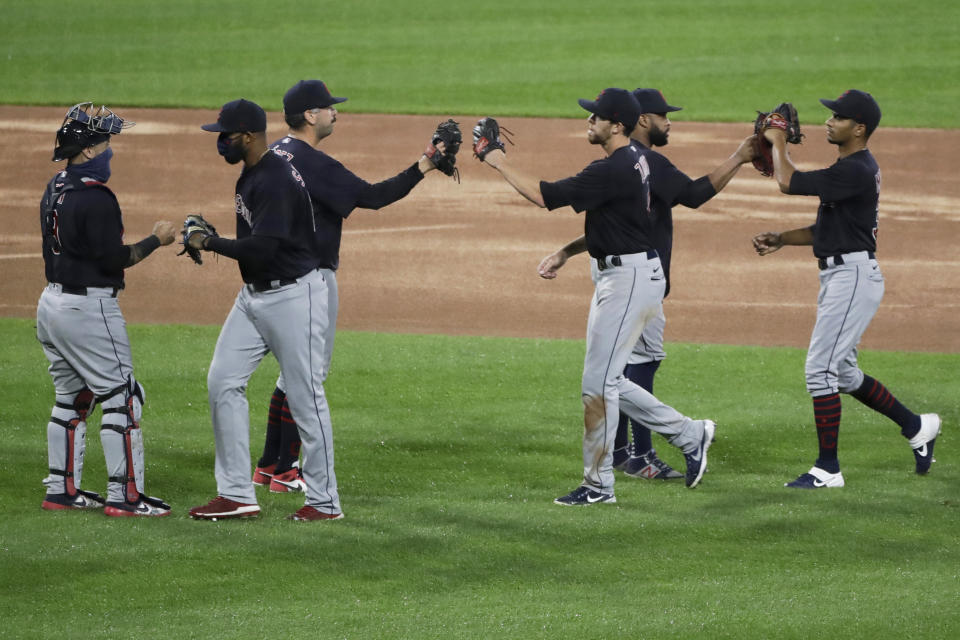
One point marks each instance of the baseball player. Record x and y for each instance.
(615, 193)
(280, 309)
(670, 188)
(80, 325)
(310, 113)
(844, 240)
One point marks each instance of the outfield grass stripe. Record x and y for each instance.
(449, 452)
(502, 57)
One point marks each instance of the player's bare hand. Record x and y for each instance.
(495, 158)
(195, 241)
(551, 264)
(747, 150)
(774, 136)
(425, 164)
(165, 231)
(767, 242)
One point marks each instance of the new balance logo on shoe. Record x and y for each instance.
(649, 472)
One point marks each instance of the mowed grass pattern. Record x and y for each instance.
(720, 60)
(449, 453)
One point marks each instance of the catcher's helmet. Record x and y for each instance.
(83, 127)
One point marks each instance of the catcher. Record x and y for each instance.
(311, 115)
(81, 327)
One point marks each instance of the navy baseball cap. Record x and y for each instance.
(617, 105)
(308, 94)
(857, 105)
(652, 101)
(239, 116)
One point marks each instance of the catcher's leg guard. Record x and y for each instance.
(66, 442)
(123, 442)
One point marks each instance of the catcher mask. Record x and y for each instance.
(84, 126)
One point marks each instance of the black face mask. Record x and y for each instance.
(231, 150)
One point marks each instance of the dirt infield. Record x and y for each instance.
(461, 259)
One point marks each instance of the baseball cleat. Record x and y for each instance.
(262, 475)
(306, 513)
(922, 443)
(289, 481)
(83, 500)
(697, 459)
(144, 506)
(621, 456)
(650, 466)
(221, 507)
(817, 478)
(584, 496)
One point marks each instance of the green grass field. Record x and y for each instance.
(720, 60)
(449, 453)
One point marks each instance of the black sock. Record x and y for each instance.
(621, 440)
(876, 396)
(271, 444)
(289, 440)
(826, 414)
(642, 374)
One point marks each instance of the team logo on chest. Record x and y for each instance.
(243, 212)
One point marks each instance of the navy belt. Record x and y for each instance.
(269, 285)
(616, 261)
(836, 261)
(82, 291)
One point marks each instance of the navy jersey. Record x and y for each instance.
(81, 224)
(615, 193)
(669, 187)
(335, 192)
(272, 201)
(849, 193)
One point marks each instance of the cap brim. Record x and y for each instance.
(336, 100)
(589, 105)
(215, 127)
(830, 104)
(671, 108)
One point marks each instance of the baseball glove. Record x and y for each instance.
(449, 134)
(783, 117)
(486, 137)
(193, 225)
